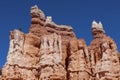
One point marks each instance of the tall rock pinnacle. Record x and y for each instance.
(52, 52)
(103, 54)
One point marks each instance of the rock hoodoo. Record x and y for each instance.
(52, 52)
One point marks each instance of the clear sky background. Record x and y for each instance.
(79, 14)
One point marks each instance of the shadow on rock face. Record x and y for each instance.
(0, 71)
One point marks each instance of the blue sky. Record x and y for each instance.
(79, 14)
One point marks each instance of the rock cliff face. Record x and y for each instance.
(52, 52)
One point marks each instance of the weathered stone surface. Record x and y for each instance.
(79, 65)
(51, 58)
(104, 56)
(22, 57)
(52, 52)
(97, 29)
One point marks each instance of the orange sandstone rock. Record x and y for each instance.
(52, 52)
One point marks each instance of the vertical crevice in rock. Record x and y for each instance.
(67, 60)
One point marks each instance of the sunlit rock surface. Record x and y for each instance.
(52, 52)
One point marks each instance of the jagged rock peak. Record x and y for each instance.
(49, 19)
(36, 12)
(97, 30)
(97, 26)
(40, 25)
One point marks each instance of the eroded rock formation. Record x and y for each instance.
(52, 52)
(79, 64)
(104, 61)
